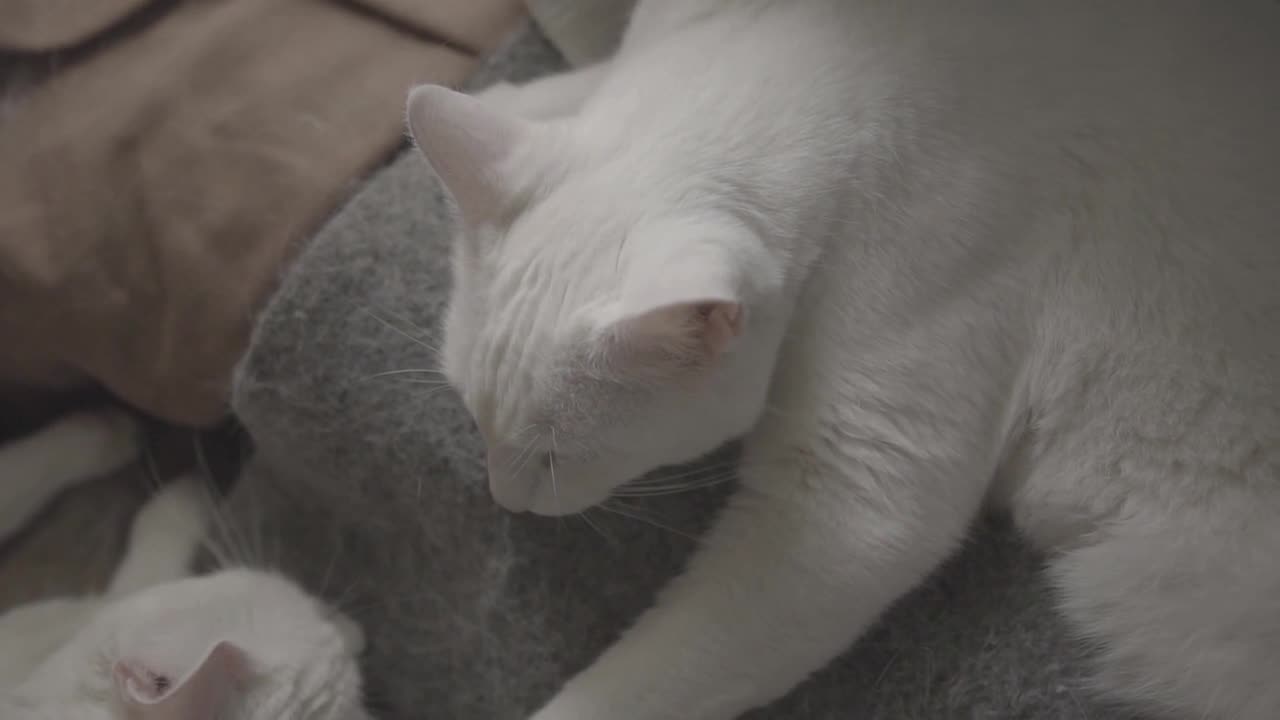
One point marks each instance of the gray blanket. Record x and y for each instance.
(367, 485)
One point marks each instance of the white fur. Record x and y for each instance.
(79, 447)
(60, 658)
(1026, 254)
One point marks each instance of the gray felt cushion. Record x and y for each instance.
(369, 488)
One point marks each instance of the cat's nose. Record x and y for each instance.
(511, 486)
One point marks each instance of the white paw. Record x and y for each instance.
(100, 441)
(181, 510)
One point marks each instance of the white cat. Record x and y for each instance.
(925, 255)
(159, 644)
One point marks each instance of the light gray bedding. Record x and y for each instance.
(369, 487)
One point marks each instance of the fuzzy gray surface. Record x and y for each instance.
(370, 489)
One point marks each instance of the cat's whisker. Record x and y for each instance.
(582, 446)
(710, 476)
(407, 371)
(634, 514)
(551, 465)
(402, 333)
(236, 553)
(527, 455)
(591, 524)
(671, 490)
(406, 321)
(225, 542)
(438, 389)
(523, 456)
(524, 430)
(662, 478)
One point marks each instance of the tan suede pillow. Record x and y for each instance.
(475, 27)
(150, 196)
(44, 25)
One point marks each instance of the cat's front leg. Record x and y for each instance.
(822, 538)
(547, 98)
(36, 468)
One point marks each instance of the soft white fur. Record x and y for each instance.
(1015, 253)
(61, 659)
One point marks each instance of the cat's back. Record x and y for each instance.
(1126, 156)
(1121, 163)
(1147, 165)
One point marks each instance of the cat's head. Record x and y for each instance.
(237, 644)
(603, 319)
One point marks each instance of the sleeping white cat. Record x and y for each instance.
(924, 255)
(160, 645)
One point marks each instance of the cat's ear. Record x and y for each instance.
(200, 695)
(671, 339)
(465, 142)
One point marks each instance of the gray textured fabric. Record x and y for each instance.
(369, 487)
(583, 32)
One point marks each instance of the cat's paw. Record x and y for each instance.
(181, 511)
(100, 440)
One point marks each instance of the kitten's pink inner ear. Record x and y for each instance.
(200, 695)
(677, 337)
(465, 142)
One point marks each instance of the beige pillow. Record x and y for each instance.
(45, 25)
(150, 196)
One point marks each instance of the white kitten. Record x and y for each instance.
(925, 255)
(160, 645)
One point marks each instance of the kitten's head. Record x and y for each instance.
(237, 644)
(602, 321)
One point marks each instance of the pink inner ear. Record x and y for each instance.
(723, 324)
(676, 337)
(200, 695)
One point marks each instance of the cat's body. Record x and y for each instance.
(926, 256)
(159, 644)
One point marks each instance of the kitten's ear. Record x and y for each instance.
(200, 695)
(663, 342)
(465, 142)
